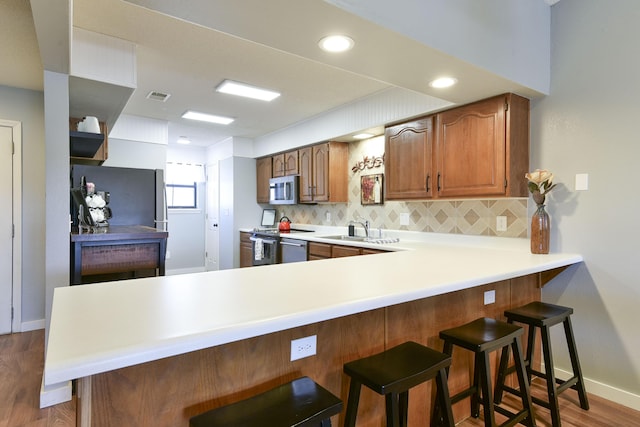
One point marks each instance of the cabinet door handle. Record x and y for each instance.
(427, 182)
(438, 181)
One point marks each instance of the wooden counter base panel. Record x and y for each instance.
(169, 391)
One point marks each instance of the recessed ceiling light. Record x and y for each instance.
(183, 140)
(336, 43)
(443, 82)
(363, 136)
(248, 91)
(194, 115)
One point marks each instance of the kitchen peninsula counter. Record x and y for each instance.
(117, 249)
(111, 326)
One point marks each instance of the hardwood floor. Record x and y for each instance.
(22, 361)
(21, 365)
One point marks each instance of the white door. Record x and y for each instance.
(212, 239)
(6, 227)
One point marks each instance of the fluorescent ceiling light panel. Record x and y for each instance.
(336, 43)
(194, 115)
(248, 91)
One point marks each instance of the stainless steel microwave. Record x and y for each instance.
(283, 190)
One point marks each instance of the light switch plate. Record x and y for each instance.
(582, 181)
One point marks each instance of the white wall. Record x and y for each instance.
(373, 111)
(589, 125)
(27, 107)
(56, 211)
(506, 37)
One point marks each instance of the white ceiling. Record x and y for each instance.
(185, 48)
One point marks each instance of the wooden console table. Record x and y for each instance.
(117, 249)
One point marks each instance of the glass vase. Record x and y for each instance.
(540, 231)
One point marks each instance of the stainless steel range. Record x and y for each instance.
(265, 243)
(271, 246)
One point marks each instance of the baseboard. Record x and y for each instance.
(55, 393)
(184, 271)
(32, 325)
(605, 391)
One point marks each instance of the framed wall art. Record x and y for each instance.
(371, 189)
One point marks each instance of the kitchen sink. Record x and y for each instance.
(362, 239)
(347, 238)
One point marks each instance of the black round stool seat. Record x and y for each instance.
(299, 403)
(483, 336)
(392, 373)
(540, 315)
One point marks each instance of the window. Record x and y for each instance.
(182, 196)
(182, 185)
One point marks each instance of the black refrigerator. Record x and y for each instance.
(136, 196)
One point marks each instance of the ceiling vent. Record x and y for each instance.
(158, 96)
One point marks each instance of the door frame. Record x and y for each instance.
(16, 285)
(212, 182)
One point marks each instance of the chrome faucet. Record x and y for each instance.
(366, 225)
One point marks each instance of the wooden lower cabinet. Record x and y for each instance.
(325, 250)
(339, 251)
(246, 250)
(216, 376)
(319, 251)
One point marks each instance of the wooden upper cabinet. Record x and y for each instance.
(291, 163)
(476, 150)
(323, 173)
(305, 157)
(408, 163)
(320, 185)
(285, 164)
(482, 149)
(278, 165)
(263, 174)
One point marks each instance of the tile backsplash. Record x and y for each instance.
(472, 217)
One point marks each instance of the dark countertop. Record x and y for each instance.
(118, 232)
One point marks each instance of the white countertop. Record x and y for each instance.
(105, 326)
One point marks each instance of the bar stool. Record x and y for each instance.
(482, 336)
(542, 316)
(299, 403)
(392, 373)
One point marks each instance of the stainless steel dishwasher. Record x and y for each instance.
(292, 250)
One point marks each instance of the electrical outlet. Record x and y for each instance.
(490, 297)
(328, 216)
(303, 347)
(167, 255)
(404, 218)
(501, 223)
